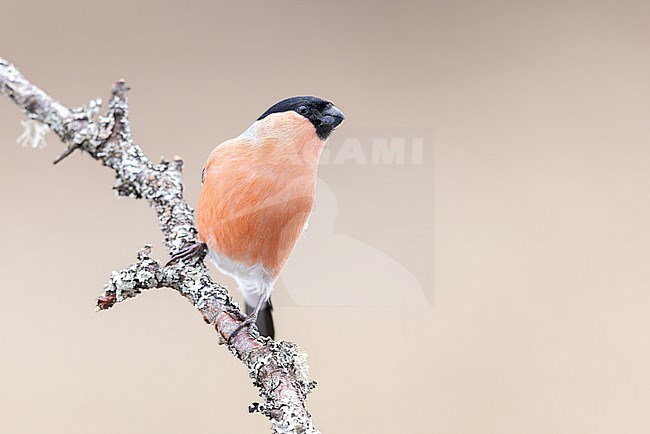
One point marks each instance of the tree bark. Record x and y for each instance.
(279, 369)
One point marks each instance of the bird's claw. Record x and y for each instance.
(196, 249)
(248, 322)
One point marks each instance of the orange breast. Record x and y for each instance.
(255, 200)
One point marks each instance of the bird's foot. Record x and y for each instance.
(195, 249)
(248, 322)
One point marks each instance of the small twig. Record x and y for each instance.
(66, 152)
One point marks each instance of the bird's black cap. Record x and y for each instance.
(324, 115)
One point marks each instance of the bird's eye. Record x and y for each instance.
(303, 110)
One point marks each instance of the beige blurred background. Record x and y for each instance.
(525, 228)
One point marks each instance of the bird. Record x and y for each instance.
(257, 195)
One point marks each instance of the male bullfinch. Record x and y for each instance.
(257, 195)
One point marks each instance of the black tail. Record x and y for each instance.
(264, 319)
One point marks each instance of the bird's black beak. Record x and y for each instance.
(332, 117)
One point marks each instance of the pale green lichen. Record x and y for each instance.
(33, 135)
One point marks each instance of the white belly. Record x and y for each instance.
(253, 281)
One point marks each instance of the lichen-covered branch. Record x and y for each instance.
(278, 369)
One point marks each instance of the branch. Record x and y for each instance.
(278, 369)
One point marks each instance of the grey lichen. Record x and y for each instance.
(278, 369)
(131, 281)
